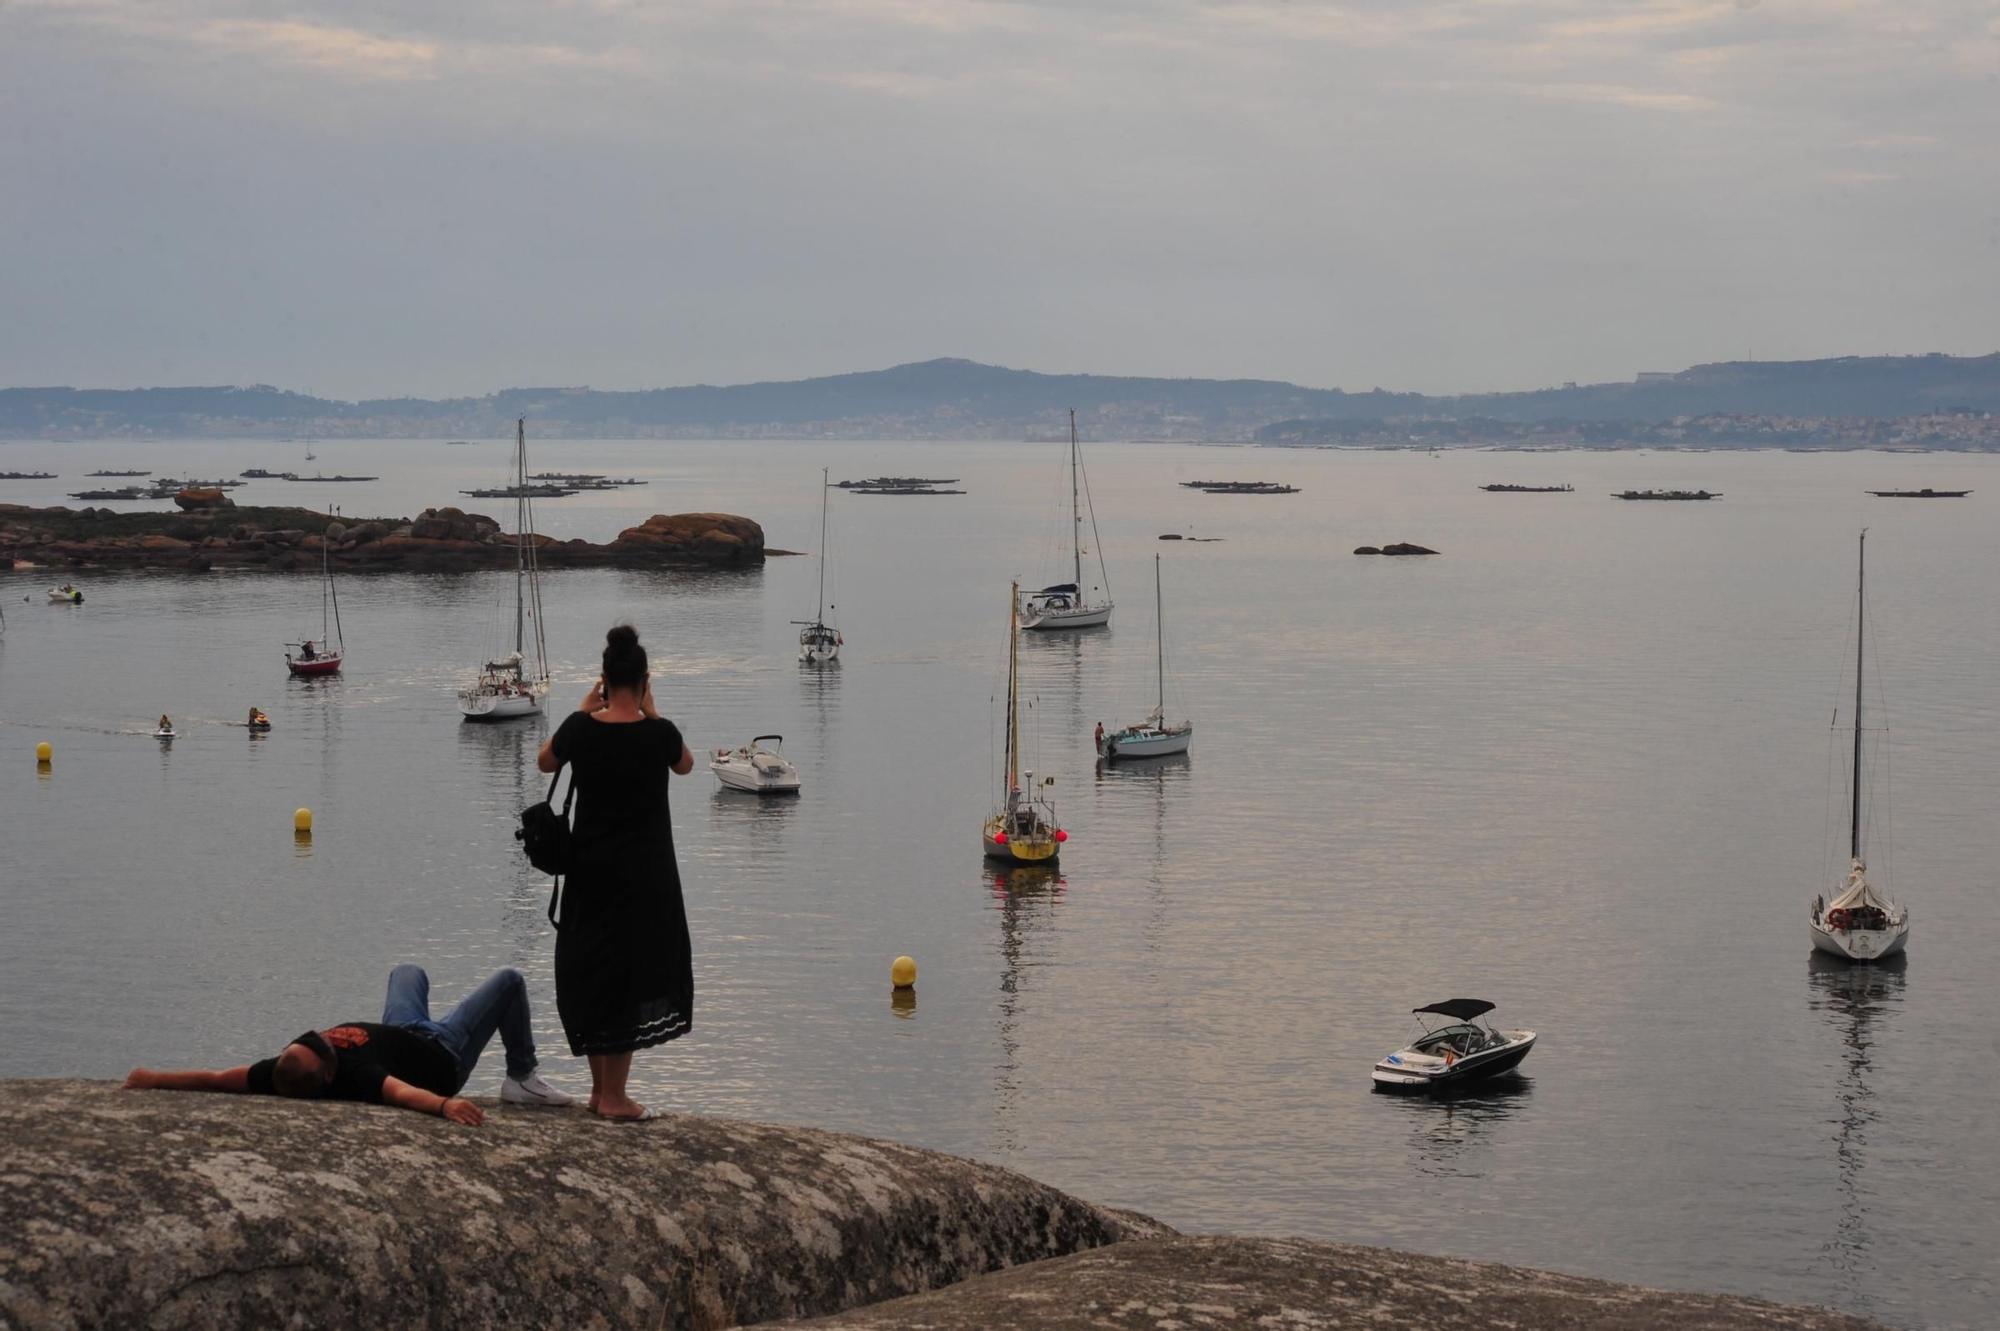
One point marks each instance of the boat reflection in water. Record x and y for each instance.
(1857, 1002)
(1026, 896)
(1449, 1128)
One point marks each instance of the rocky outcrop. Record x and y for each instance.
(710, 538)
(1399, 548)
(437, 540)
(203, 498)
(1222, 1284)
(164, 1209)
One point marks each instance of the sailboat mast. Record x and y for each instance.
(1860, 650)
(520, 528)
(1075, 514)
(328, 591)
(1013, 660)
(1160, 619)
(819, 616)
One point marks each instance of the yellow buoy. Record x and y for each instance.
(302, 820)
(44, 751)
(903, 972)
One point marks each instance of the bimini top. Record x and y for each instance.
(1465, 1009)
(1057, 589)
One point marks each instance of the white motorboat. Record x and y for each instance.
(66, 595)
(1067, 605)
(757, 767)
(1456, 1048)
(505, 691)
(164, 732)
(1024, 828)
(819, 641)
(1154, 737)
(1860, 923)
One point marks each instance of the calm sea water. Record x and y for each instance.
(1579, 765)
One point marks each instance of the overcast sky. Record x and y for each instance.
(394, 196)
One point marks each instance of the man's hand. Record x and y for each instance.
(463, 1111)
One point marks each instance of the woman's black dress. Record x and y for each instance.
(624, 969)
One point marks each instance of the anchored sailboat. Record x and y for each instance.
(1024, 828)
(1153, 737)
(819, 641)
(1859, 924)
(1067, 605)
(505, 690)
(322, 655)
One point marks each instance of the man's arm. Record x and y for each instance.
(234, 1080)
(405, 1096)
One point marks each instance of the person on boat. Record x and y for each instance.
(306, 652)
(407, 1059)
(1097, 740)
(257, 718)
(166, 722)
(624, 963)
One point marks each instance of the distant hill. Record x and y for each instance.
(960, 399)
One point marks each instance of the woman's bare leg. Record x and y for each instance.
(611, 1100)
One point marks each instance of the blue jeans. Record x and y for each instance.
(500, 1004)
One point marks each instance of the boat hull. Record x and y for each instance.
(1861, 945)
(755, 783)
(498, 706)
(65, 598)
(1162, 744)
(319, 665)
(996, 845)
(813, 654)
(1467, 1071)
(1039, 619)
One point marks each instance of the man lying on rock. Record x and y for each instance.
(406, 1059)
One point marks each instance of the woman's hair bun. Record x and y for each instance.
(624, 658)
(622, 638)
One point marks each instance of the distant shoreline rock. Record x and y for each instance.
(439, 540)
(1400, 548)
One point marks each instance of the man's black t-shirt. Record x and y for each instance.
(368, 1053)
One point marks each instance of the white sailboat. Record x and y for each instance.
(1023, 829)
(1860, 923)
(505, 690)
(819, 641)
(1067, 605)
(1154, 737)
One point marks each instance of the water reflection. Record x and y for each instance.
(1449, 1127)
(502, 758)
(1052, 667)
(1853, 999)
(1026, 896)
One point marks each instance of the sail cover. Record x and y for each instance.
(1858, 891)
(1058, 589)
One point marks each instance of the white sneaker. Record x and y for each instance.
(532, 1090)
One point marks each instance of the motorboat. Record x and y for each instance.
(1023, 829)
(1458, 1046)
(1067, 605)
(65, 595)
(1860, 923)
(757, 767)
(819, 641)
(1154, 737)
(164, 733)
(321, 655)
(505, 690)
(258, 723)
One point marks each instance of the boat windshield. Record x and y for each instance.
(1462, 1037)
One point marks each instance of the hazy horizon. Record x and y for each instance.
(376, 200)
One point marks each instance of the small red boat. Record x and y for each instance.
(320, 663)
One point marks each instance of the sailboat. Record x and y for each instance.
(1023, 829)
(1066, 605)
(819, 641)
(505, 690)
(313, 656)
(1153, 737)
(1859, 924)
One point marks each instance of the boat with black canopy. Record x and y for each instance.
(1459, 1049)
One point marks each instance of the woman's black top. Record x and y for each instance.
(624, 968)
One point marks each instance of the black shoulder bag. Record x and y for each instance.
(545, 834)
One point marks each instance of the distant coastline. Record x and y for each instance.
(1918, 402)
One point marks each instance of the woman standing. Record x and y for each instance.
(624, 968)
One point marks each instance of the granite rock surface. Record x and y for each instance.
(1237, 1284)
(170, 1209)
